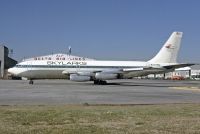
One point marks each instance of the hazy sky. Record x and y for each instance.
(101, 29)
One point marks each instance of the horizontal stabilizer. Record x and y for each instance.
(179, 66)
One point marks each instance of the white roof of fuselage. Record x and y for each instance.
(58, 56)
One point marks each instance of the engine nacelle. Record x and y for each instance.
(106, 76)
(79, 78)
(86, 73)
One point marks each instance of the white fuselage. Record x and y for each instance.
(59, 68)
(83, 69)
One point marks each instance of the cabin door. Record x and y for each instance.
(29, 69)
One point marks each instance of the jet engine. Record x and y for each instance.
(106, 76)
(79, 78)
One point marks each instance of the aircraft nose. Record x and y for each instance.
(11, 71)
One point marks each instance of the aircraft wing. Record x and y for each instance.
(130, 72)
(115, 71)
(89, 73)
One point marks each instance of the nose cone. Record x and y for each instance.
(12, 71)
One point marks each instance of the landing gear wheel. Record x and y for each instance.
(31, 82)
(103, 82)
(95, 82)
(100, 82)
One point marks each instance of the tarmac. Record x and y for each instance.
(132, 91)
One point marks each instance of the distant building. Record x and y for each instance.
(5, 62)
(185, 73)
(195, 74)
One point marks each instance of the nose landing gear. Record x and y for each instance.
(31, 82)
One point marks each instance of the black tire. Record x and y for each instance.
(31, 82)
(100, 82)
(96, 82)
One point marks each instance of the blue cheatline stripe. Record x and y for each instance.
(73, 66)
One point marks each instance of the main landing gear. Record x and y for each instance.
(100, 82)
(31, 82)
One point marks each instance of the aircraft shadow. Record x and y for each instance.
(129, 84)
(122, 84)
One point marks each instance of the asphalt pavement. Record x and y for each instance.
(133, 91)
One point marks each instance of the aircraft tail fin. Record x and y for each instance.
(169, 52)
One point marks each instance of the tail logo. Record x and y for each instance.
(169, 46)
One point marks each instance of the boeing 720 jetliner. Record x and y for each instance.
(100, 71)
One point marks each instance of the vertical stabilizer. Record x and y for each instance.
(169, 52)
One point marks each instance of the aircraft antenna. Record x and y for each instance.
(69, 50)
(11, 53)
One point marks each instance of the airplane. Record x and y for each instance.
(99, 71)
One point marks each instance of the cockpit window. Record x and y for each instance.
(18, 66)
